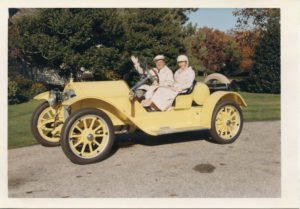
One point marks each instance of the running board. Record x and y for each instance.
(169, 130)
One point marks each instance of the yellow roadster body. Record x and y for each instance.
(189, 112)
(84, 118)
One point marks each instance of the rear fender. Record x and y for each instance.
(211, 102)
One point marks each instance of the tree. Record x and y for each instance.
(194, 54)
(232, 58)
(67, 39)
(214, 44)
(265, 72)
(17, 65)
(155, 31)
(100, 40)
(255, 18)
(246, 42)
(215, 50)
(208, 48)
(150, 32)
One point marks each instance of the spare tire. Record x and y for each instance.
(216, 77)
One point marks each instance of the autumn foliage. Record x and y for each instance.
(252, 49)
(217, 51)
(246, 44)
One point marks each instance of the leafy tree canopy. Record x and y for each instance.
(100, 40)
(265, 72)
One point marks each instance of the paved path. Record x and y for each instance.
(179, 165)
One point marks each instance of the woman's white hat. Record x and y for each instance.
(159, 57)
(183, 58)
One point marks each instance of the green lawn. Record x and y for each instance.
(19, 117)
(260, 107)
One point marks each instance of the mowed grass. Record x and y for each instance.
(19, 119)
(260, 107)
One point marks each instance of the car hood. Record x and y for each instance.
(102, 89)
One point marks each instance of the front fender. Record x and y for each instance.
(116, 111)
(41, 96)
(213, 99)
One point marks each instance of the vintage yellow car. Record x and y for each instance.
(85, 116)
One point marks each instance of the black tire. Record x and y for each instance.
(214, 134)
(65, 139)
(34, 130)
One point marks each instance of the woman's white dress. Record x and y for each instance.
(164, 96)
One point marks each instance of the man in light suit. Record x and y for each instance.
(164, 74)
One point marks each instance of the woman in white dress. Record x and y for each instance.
(183, 80)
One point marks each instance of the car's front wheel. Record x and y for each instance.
(227, 122)
(87, 136)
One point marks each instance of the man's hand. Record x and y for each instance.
(136, 64)
(155, 83)
(135, 60)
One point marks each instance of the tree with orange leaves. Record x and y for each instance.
(246, 44)
(215, 50)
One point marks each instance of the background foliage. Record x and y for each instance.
(102, 40)
(264, 75)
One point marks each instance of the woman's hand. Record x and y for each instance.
(175, 89)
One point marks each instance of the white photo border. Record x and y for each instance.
(289, 123)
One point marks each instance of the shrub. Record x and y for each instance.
(21, 89)
(36, 88)
(13, 91)
(12, 88)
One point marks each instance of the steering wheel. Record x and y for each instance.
(149, 74)
(153, 75)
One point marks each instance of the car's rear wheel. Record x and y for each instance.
(43, 124)
(87, 136)
(227, 122)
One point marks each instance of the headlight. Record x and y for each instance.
(55, 97)
(69, 93)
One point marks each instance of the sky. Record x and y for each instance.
(221, 18)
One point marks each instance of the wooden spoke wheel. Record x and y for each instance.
(43, 125)
(227, 122)
(87, 136)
